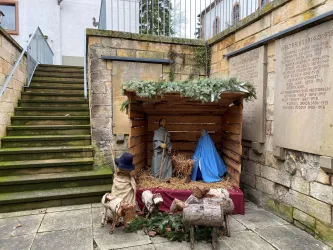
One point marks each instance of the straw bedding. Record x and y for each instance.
(145, 180)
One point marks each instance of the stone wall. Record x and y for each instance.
(293, 186)
(9, 52)
(100, 73)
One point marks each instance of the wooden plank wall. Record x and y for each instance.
(137, 142)
(185, 132)
(232, 141)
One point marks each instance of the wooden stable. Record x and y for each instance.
(185, 120)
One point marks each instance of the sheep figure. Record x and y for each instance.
(114, 210)
(151, 202)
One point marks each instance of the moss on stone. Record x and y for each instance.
(283, 210)
(325, 233)
(144, 37)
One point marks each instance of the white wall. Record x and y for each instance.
(64, 25)
(42, 13)
(76, 16)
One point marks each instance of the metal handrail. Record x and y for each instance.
(85, 87)
(17, 62)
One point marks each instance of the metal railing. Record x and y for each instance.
(38, 52)
(178, 18)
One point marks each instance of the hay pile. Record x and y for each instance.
(182, 167)
(145, 180)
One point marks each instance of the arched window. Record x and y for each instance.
(216, 26)
(236, 13)
(263, 2)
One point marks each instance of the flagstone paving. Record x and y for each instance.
(78, 228)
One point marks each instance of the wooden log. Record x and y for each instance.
(203, 215)
(138, 149)
(226, 203)
(232, 127)
(133, 141)
(233, 146)
(193, 200)
(232, 155)
(138, 123)
(214, 127)
(185, 119)
(236, 166)
(135, 114)
(137, 131)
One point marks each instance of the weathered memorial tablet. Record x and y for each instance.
(251, 67)
(121, 73)
(303, 117)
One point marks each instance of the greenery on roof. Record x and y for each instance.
(205, 90)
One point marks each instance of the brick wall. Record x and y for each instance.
(297, 189)
(109, 43)
(9, 52)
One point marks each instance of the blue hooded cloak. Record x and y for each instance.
(208, 166)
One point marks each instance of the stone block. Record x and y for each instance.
(282, 210)
(120, 138)
(94, 41)
(305, 219)
(101, 134)
(251, 167)
(101, 76)
(309, 205)
(109, 65)
(323, 178)
(281, 177)
(325, 233)
(300, 185)
(279, 153)
(101, 111)
(322, 192)
(98, 88)
(126, 53)
(256, 157)
(249, 179)
(255, 196)
(254, 28)
(303, 227)
(326, 163)
(265, 185)
(149, 54)
(258, 147)
(100, 99)
(268, 127)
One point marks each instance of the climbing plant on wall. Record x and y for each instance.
(155, 17)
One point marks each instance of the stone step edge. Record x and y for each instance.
(60, 66)
(52, 94)
(33, 87)
(76, 77)
(45, 163)
(45, 138)
(29, 150)
(55, 177)
(51, 118)
(47, 127)
(53, 194)
(56, 101)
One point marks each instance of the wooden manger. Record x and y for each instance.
(185, 121)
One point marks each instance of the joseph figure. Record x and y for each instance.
(161, 142)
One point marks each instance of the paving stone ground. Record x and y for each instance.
(78, 228)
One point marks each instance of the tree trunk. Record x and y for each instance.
(203, 215)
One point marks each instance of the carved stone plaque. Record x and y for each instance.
(121, 73)
(303, 117)
(251, 67)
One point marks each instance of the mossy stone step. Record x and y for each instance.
(56, 79)
(59, 74)
(45, 141)
(19, 201)
(50, 120)
(59, 66)
(51, 111)
(53, 103)
(56, 85)
(22, 183)
(44, 153)
(59, 70)
(52, 96)
(35, 167)
(48, 130)
(54, 89)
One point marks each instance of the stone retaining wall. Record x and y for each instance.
(297, 189)
(10, 50)
(109, 43)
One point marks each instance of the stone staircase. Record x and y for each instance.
(46, 158)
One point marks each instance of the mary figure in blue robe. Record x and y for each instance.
(208, 166)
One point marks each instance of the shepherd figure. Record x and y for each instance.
(161, 164)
